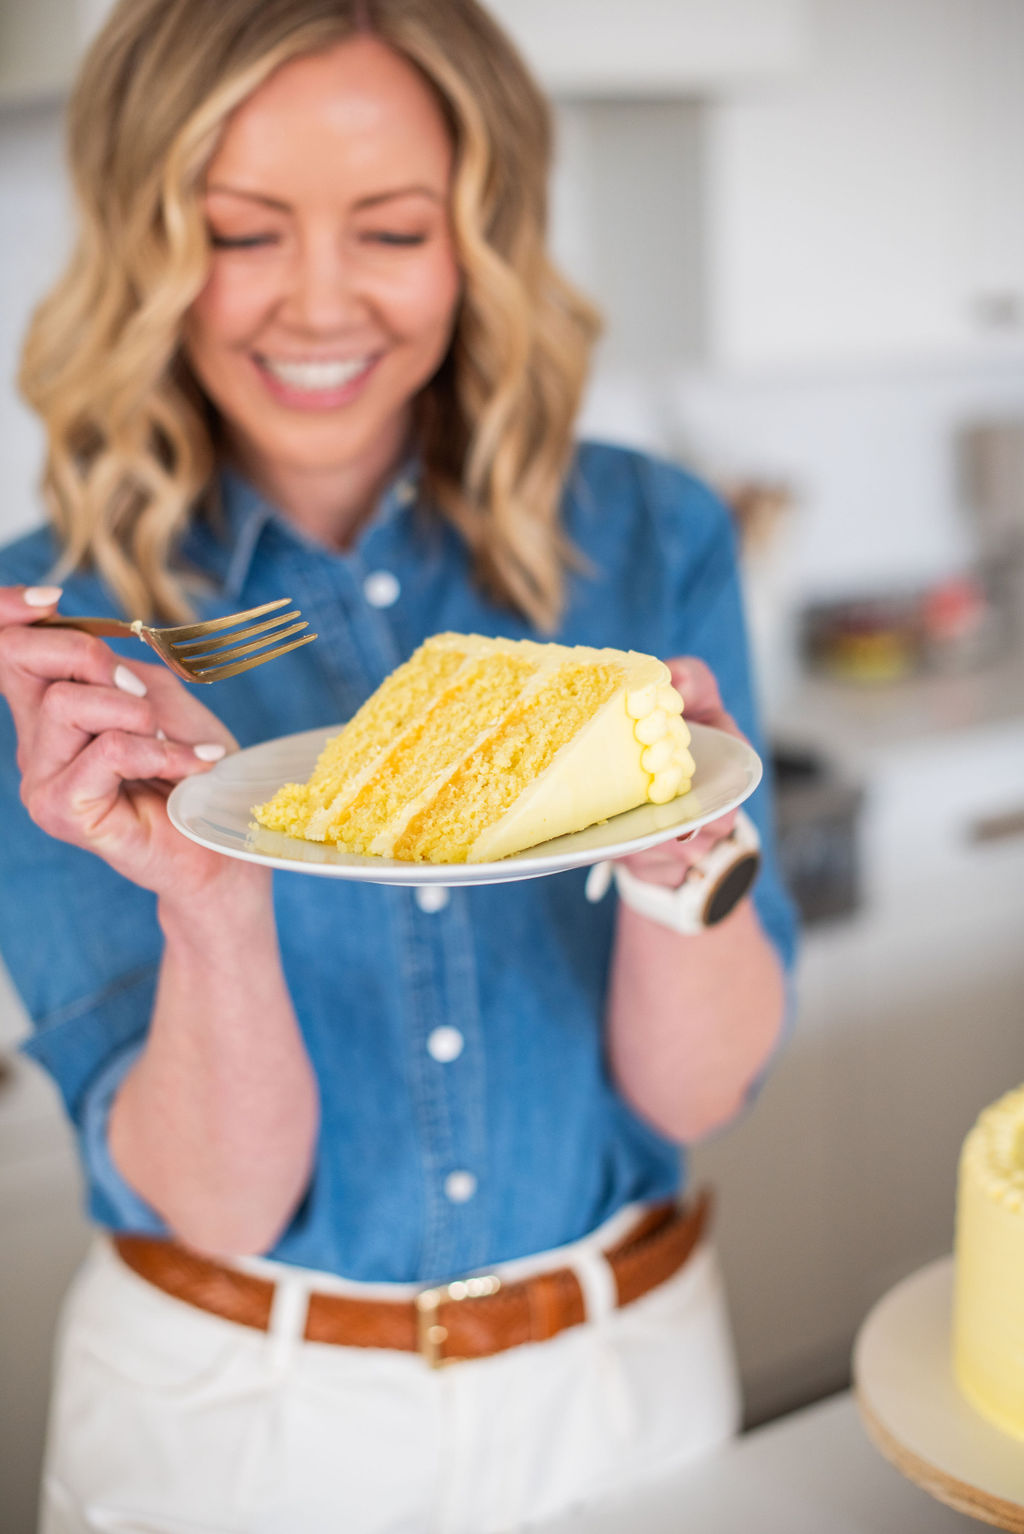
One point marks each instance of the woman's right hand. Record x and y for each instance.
(101, 743)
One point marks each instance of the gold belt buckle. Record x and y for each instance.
(430, 1333)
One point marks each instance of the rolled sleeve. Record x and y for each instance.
(88, 1048)
(77, 1042)
(112, 1201)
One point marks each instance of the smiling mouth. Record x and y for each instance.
(316, 377)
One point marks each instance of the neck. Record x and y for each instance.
(330, 503)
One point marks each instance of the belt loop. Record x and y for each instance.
(600, 1291)
(287, 1324)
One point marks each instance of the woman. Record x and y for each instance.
(310, 344)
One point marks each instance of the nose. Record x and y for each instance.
(325, 292)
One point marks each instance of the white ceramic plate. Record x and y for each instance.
(215, 810)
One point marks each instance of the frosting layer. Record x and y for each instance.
(988, 1306)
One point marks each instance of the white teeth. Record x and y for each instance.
(316, 376)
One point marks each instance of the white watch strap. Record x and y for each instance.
(698, 902)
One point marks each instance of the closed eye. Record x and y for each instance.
(240, 242)
(391, 237)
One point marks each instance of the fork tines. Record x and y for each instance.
(221, 642)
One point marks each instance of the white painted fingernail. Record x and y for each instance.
(210, 753)
(42, 596)
(129, 682)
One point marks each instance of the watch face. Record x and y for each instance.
(731, 887)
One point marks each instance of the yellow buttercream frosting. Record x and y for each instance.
(988, 1304)
(477, 748)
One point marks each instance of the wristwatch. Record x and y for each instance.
(710, 890)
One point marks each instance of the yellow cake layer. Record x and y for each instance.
(505, 764)
(988, 1306)
(399, 699)
(477, 748)
(476, 701)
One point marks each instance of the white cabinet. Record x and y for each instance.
(871, 210)
(655, 47)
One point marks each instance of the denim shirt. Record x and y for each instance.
(468, 1114)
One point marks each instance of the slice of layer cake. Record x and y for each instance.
(477, 748)
(988, 1306)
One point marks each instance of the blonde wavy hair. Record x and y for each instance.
(131, 438)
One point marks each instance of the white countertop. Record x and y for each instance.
(813, 1472)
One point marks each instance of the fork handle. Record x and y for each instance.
(103, 628)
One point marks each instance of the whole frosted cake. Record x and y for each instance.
(477, 748)
(988, 1306)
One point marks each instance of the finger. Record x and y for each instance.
(702, 701)
(180, 713)
(696, 682)
(24, 604)
(32, 658)
(74, 804)
(71, 713)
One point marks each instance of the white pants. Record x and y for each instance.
(167, 1420)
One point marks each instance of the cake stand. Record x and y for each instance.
(915, 1414)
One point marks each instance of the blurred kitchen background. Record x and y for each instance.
(804, 220)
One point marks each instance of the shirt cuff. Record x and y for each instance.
(112, 1202)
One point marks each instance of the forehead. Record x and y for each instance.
(350, 118)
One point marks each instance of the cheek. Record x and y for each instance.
(424, 305)
(230, 306)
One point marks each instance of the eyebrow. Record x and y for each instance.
(371, 201)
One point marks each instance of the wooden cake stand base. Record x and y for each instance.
(914, 1413)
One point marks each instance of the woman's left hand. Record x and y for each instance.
(668, 863)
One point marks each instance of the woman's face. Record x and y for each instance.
(333, 283)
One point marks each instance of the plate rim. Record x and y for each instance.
(531, 863)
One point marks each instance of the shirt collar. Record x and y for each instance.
(245, 515)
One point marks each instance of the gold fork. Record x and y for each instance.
(203, 652)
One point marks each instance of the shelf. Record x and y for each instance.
(855, 720)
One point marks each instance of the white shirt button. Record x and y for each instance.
(459, 1186)
(381, 588)
(432, 898)
(445, 1044)
(405, 492)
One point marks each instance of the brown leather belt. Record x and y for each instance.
(468, 1318)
